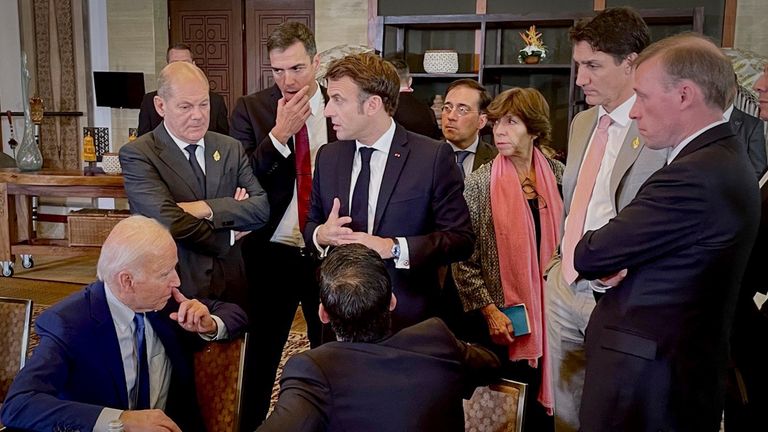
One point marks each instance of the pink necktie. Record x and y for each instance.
(585, 183)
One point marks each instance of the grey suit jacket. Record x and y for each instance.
(484, 154)
(158, 175)
(634, 164)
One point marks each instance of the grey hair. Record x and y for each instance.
(128, 245)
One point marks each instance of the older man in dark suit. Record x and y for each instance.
(197, 183)
(657, 342)
(397, 192)
(121, 348)
(372, 380)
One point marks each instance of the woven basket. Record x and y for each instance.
(90, 227)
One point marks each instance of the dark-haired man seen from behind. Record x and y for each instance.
(371, 379)
(149, 118)
(415, 115)
(282, 128)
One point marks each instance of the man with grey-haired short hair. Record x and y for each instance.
(672, 260)
(122, 347)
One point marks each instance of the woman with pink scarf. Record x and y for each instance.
(516, 210)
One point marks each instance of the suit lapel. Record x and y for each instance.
(398, 154)
(344, 170)
(105, 334)
(176, 160)
(213, 166)
(483, 155)
(709, 136)
(628, 153)
(580, 135)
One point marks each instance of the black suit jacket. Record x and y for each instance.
(420, 199)
(412, 381)
(158, 175)
(253, 118)
(657, 343)
(416, 116)
(149, 119)
(749, 129)
(77, 368)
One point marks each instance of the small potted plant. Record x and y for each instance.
(534, 49)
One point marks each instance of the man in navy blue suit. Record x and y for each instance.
(657, 342)
(94, 364)
(397, 192)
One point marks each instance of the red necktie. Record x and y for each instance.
(585, 183)
(303, 174)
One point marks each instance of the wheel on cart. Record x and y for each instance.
(7, 269)
(27, 262)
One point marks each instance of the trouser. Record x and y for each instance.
(568, 308)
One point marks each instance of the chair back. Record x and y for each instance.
(15, 318)
(219, 382)
(498, 407)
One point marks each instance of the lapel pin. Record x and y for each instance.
(397, 155)
(216, 156)
(636, 143)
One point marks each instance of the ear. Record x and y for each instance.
(410, 81)
(159, 105)
(392, 302)
(125, 282)
(629, 60)
(324, 318)
(373, 105)
(482, 121)
(687, 92)
(316, 61)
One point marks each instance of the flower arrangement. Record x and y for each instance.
(534, 47)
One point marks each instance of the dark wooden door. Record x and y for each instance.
(214, 31)
(261, 17)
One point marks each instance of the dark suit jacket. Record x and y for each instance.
(657, 343)
(420, 199)
(77, 369)
(749, 129)
(416, 116)
(158, 175)
(412, 381)
(149, 119)
(484, 154)
(252, 119)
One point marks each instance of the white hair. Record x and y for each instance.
(127, 247)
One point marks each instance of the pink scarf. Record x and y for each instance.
(521, 275)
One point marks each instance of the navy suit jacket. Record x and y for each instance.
(77, 369)
(657, 343)
(421, 199)
(411, 381)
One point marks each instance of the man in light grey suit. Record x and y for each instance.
(208, 197)
(605, 175)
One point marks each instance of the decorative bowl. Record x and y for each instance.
(441, 61)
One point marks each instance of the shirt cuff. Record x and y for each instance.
(404, 262)
(323, 250)
(280, 147)
(231, 238)
(106, 416)
(598, 286)
(209, 218)
(221, 332)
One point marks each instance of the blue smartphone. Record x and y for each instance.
(518, 314)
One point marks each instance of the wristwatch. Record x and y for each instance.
(396, 249)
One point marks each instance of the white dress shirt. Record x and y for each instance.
(288, 231)
(469, 162)
(678, 148)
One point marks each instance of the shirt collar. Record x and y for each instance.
(181, 144)
(677, 149)
(384, 142)
(471, 149)
(620, 115)
(727, 113)
(316, 102)
(122, 315)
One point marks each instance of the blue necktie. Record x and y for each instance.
(461, 155)
(192, 149)
(359, 212)
(141, 389)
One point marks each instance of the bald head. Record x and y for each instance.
(179, 72)
(183, 101)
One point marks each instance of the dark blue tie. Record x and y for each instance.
(359, 211)
(142, 379)
(192, 149)
(460, 156)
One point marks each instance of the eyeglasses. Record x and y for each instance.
(461, 110)
(531, 193)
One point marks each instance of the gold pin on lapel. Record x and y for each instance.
(216, 156)
(635, 143)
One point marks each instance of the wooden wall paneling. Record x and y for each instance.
(729, 23)
(214, 31)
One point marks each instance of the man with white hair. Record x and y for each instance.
(122, 347)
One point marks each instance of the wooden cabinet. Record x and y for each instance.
(488, 45)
